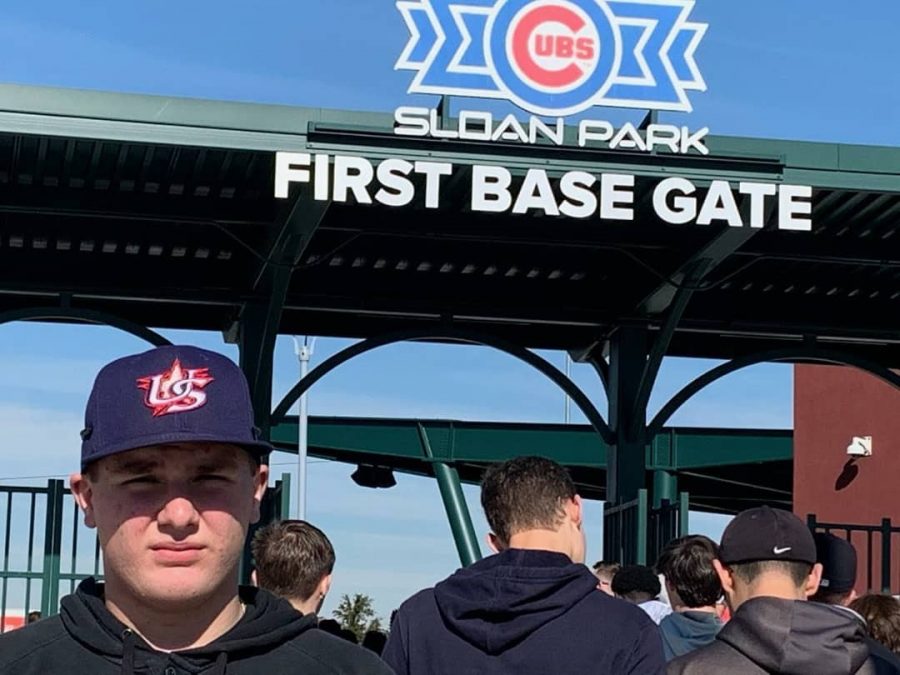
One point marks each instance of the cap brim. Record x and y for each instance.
(257, 448)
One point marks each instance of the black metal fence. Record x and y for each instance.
(634, 532)
(874, 545)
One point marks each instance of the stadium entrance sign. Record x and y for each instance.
(577, 194)
(553, 59)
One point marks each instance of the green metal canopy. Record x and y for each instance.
(118, 203)
(723, 470)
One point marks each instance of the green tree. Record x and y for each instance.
(357, 613)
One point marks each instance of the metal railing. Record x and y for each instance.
(873, 543)
(634, 533)
(625, 531)
(665, 523)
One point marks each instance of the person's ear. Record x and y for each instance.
(726, 578)
(254, 581)
(813, 580)
(575, 511)
(260, 484)
(83, 491)
(494, 543)
(324, 586)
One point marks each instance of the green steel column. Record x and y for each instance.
(455, 505)
(256, 342)
(284, 505)
(52, 548)
(665, 486)
(627, 462)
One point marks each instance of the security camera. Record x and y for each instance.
(860, 446)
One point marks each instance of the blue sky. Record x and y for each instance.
(813, 70)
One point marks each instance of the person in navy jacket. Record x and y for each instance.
(533, 607)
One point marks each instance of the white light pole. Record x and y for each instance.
(304, 352)
(569, 376)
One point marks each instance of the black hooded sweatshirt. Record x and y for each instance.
(272, 638)
(522, 612)
(789, 637)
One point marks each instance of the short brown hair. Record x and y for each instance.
(687, 564)
(748, 572)
(292, 557)
(606, 568)
(882, 615)
(525, 493)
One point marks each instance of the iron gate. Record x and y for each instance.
(634, 533)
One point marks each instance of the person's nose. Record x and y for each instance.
(178, 515)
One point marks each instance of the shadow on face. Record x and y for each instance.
(171, 519)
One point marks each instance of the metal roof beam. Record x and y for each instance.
(352, 439)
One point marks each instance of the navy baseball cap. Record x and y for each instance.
(838, 558)
(172, 394)
(765, 533)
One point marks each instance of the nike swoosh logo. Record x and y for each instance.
(779, 551)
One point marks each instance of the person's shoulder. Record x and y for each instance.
(421, 601)
(331, 655)
(715, 657)
(27, 644)
(884, 661)
(616, 610)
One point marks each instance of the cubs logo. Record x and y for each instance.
(555, 57)
(175, 390)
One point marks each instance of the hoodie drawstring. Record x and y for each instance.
(127, 652)
(221, 664)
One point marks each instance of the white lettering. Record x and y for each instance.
(408, 121)
(757, 192)
(352, 174)
(481, 131)
(664, 135)
(794, 214)
(285, 173)
(433, 172)
(536, 193)
(580, 202)
(590, 130)
(436, 131)
(490, 189)
(320, 179)
(557, 134)
(617, 196)
(628, 137)
(397, 189)
(695, 140)
(720, 205)
(510, 129)
(683, 209)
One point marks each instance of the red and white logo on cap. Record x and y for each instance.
(176, 390)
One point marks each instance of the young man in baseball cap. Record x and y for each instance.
(837, 589)
(767, 566)
(172, 477)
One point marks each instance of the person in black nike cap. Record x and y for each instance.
(836, 588)
(172, 474)
(768, 568)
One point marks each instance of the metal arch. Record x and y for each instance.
(791, 354)
(460, 335)
(85, 316)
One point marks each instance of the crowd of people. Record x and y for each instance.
(172, 474)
